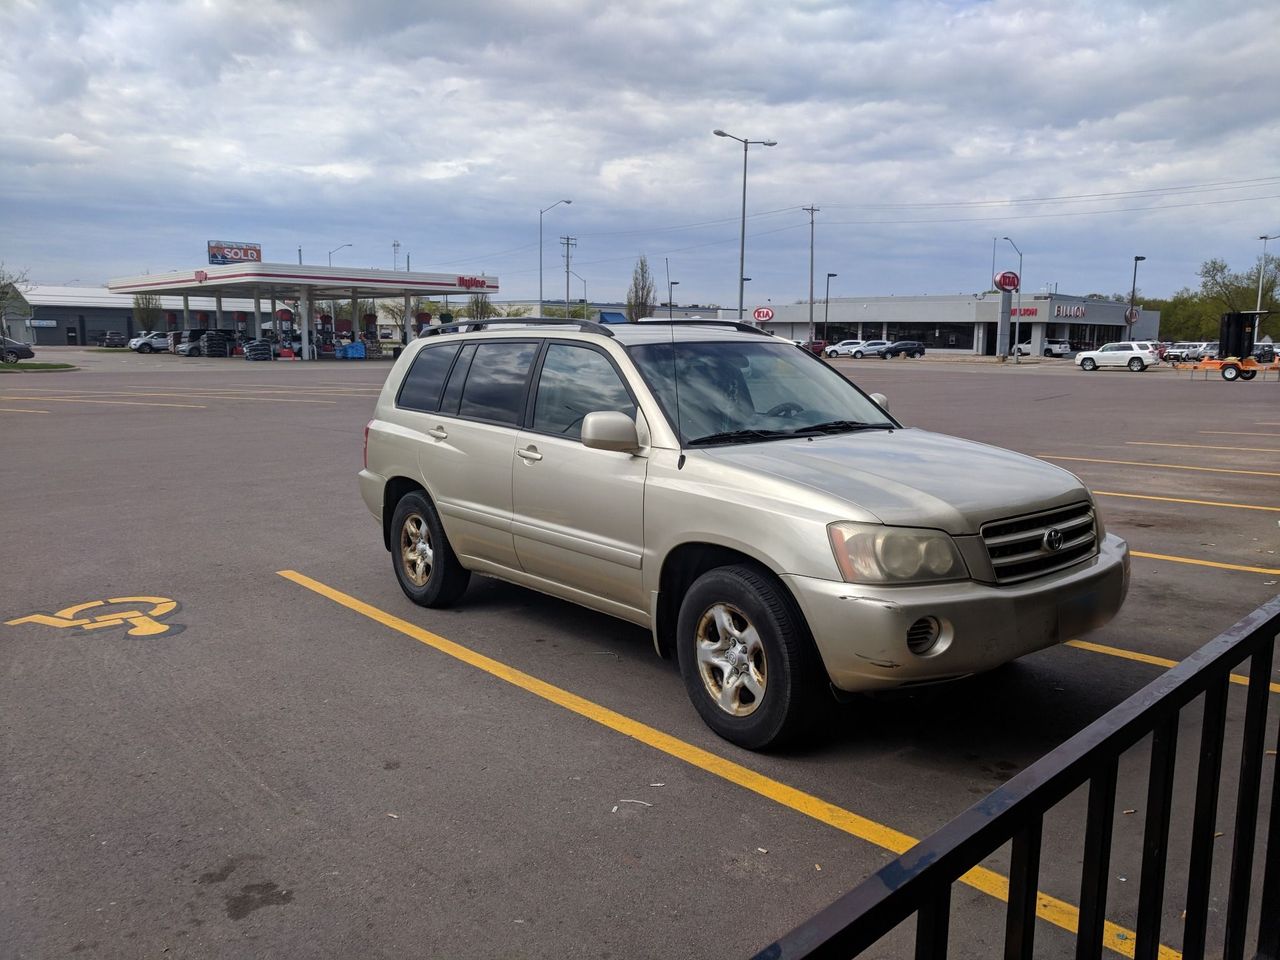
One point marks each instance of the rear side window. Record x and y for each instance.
(496, 386)
(424, 382)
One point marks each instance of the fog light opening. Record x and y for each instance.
(924, 635)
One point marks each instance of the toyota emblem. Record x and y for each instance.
(1053, 539)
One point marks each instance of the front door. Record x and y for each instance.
(578, 512)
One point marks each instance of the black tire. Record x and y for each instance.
(1230, 372)
(193, 352)
(1088, 363)
(445, 578)
(1248, 374)
(780, 653)
(916, 356)
(10, 356)
(831, 354)
(857, 354)
(144, 348)
(1136, 365)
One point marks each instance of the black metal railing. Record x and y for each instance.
(919, 882)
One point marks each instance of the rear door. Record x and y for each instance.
(578, 512)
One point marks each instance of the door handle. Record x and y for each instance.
(529, 453)
(439, 433)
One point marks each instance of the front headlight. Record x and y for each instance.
(869, 553)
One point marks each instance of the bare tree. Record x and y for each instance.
(13, 284)
(477, 307)
(147, 312)
(640, 297)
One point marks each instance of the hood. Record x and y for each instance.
(912, 477)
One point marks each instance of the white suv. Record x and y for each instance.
(1137, 356)
(1056, 348)
(844, 348)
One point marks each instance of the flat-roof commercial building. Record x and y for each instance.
(966, 323)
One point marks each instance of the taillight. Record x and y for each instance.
(366, 444)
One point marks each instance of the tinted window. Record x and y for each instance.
(576, 381)
(425, 381)
(453, 390)
(495, 387)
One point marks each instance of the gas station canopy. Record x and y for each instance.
(283, 281)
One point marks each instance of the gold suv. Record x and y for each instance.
(772, 525)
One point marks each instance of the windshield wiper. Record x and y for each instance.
(841, 426)
(737, 436)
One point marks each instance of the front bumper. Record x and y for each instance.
(861, 630)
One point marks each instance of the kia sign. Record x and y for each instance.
(763, 314)
(223, 251)
(1131, 315)
(1007, 281)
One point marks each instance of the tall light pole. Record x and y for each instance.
(670, 305)
(742, 241)
(811, 210)
(584, 295)
(1262, 270)
(335, 250)
(540, 213)
(1131, 315)
(395, 255)
(1017, 357)
(826, 304)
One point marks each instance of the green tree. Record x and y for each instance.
(477, 307)
(12, 302)
(640, 296)
(148, 314)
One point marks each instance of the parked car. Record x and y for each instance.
(1137, 356)
(869, 348)
(189, 343)
(771, 524)
(11, 351)
(1185, 350)
(1056, 348)
(844, 348)
(150, 343)
(901, 348)
(1209, 351)
(815, 346)
(113, 338)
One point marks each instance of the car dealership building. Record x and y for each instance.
(968, 323)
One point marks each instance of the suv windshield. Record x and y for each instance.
(740, 392)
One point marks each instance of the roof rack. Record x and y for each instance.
(466, 326)
(687, 322)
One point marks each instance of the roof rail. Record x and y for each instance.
(687, 322)
(465, 326)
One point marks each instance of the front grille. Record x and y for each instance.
(1018, 547)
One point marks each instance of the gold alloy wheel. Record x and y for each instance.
(416, 555)
(731, 659)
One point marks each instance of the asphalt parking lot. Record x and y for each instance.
(232, 735)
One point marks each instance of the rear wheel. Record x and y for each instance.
(1088, 363)
(1230, 372)
(1136, 365)
(426, 566)
(745, 657)
(1248, 374)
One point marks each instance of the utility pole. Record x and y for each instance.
(811, 210)
(569, 244)
(395, 255)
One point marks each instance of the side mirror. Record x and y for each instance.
(610, 430)
(881, 401)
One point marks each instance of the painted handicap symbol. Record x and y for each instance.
(142, 614)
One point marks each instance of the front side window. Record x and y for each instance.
(496, 384)
(743, 392)
(576, 381)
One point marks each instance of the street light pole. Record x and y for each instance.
(826, 304)
(1017, 354)
(811, 210)
(335, 250)
(742, 239)
(584, 295)
(670, 307)
(1262, 270)
(1133, 294)
(540, 213)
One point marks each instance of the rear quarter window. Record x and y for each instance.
(424, 382)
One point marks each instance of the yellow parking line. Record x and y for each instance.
(1055, 911)
(118, 403)
(1242, 433)
(1148, 658)
(189, 394)
(1199, 503)
(1206, 563)
(1201, 446)
(20, 410)
(1159, 466)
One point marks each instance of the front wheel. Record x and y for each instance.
(745, 657)
(1088, 363)
(1136, 365)
(10, 356)
(425, 564)
(1230, 372)
(144, 348)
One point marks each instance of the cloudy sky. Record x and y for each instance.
(133, 132)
